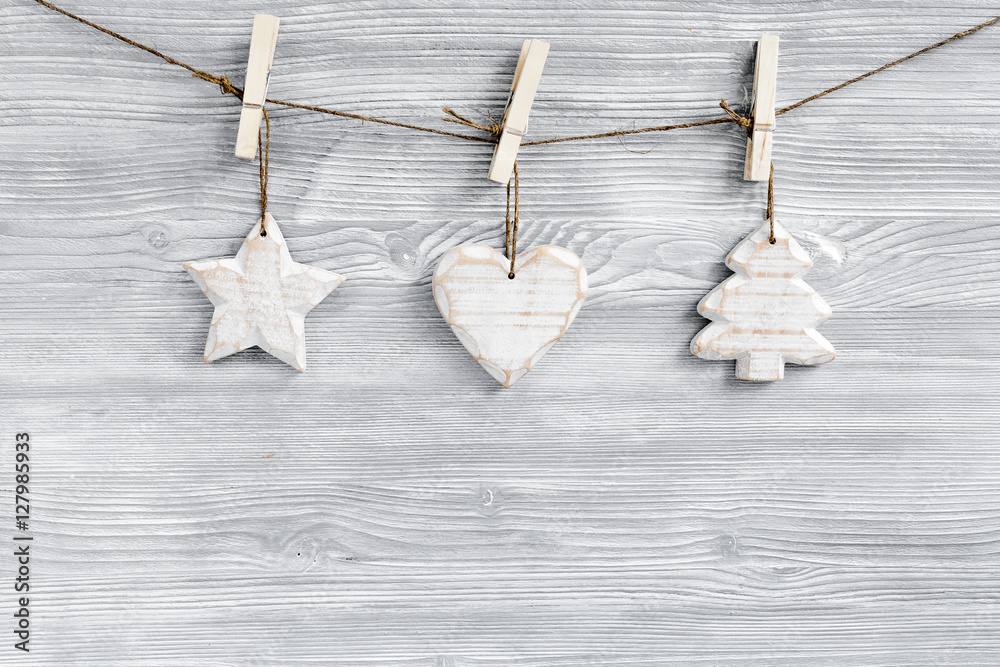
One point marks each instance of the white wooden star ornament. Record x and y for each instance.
(261, 297)
(508, 324)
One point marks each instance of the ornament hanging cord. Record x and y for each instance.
(747, 122)
(511, 227)
(228, 88)
(494, 128)
(264, 148)
(770, 203)
(510, 231)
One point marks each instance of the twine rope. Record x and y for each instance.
(769, 214)
(747, 122)
(228, 88)
(510, 227)
(510, 230)
(264, 148)
(494, 128)
(742, 121)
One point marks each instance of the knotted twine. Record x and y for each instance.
(510, 229)
(494, 129)
(747, 122)
(264, 147)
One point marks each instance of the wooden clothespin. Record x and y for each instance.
(765, 75)
(515, 117)
(262, 43)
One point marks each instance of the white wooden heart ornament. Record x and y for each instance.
(508, 324)
(765, 315)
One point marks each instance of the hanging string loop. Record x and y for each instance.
(264, 148)
(510, 227)
(769, 214)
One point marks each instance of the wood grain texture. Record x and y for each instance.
(627, 503)
(765, 315)
(760, 134)
(514, 122)
(509, 319)
(263, 40)
(261, 297)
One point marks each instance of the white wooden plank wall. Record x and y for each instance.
(625, 503)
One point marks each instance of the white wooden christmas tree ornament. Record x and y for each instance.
(765, 315)
(261, 297)
(508, 324)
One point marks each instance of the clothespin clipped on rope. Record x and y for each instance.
(515, 117)
(765, 75)
(262, 43)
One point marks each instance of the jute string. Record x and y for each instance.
(264, 147)
(230, 89)
(747, 122)
(769, 215)
(510, 230)
(494, 128)
(510, 226)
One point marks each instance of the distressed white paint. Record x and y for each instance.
(626, 504)
(765, 315)
(508, 324)
(261, 297)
